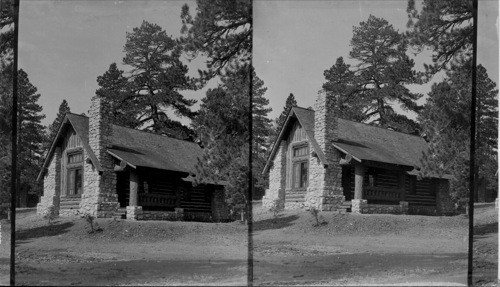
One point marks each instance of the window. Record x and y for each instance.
(74, 173)
(75, 157)
(300, 174)
(75, 181)
(300, 166)
(300, 151)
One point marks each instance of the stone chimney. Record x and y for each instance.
(99, 127)
(325, 124)
(99, 197)
(325, 178)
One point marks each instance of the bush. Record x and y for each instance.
(276, 208)
(319, 219)
(51, 214)
(90, 220)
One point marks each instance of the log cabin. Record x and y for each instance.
(106, 170)
(325, 162)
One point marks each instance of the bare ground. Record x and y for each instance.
(129, 253)
(349, 249)
(345, 250)
(485, 256)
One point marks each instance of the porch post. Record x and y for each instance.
(359, 174)
(134, 184)
(134, 212)
(401, 184)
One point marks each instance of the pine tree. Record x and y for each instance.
(340, 83)
(31, 138)
(221, 29)
(115, 87)
(290, 102)
(54, 127)
(443, 25)
(223, 129)
(379, 77)
(152, 88)
(446, 123)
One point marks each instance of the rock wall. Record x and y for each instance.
(277, 179)
(325, 178)
(51, 186)
(99, 197)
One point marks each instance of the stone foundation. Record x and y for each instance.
(175, 216)
(364, 208)
(134, 212)
(69, 212)
(358, 205)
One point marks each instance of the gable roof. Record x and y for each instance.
(145, 149)
(81, 127)
(137, 148)
(364, 142)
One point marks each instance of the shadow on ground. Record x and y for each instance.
(42, 231)
(485, 229)
(274, 223)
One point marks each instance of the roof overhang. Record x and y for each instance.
(65, 123)
(316, 149)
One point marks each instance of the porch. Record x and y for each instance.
(383, 188)
(145, 194)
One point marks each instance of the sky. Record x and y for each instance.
(296, 41)
(65, 45)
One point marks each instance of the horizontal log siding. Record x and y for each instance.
(170, 184)
(197, 199)
(421, 192)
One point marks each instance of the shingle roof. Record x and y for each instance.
(146, 149)
(136, 147)
(367, 142)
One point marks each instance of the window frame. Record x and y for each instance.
(71, 169)
(298, 163)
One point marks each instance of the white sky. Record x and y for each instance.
(296, 41)
(65, 45)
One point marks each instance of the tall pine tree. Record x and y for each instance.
(379, 77)
(446, 124)
(443, 25)
(222, 127)
(54, 127)
(221, 29)
(31, 137)
(150, 92)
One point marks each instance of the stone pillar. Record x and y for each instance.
(99, 196)
(134, 212)
(50, 200)
(134, 184)
(359, 205)
(401, 185)
(325, 181)
(359, 174)
(404, 207)
(277, 178)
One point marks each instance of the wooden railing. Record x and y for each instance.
(155, 199)
(379, 193)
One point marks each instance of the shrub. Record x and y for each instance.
(276, 208)
(90, 220)
(315, 213)
(51, 214)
